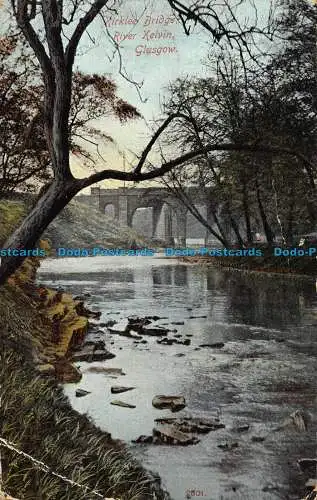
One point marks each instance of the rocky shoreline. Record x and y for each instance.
(41, 330)
(70, 321)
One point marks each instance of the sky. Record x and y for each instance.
(140, 26)
(144, 24)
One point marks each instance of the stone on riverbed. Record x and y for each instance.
(184, 342)
(192, 425)
(106, 371)
(197, 317)
(174, 403)
(119, 327)
(168, 434)
(143, 440)
(136, 320)
(116, 389)
(228, 446)
(179, 431)
(81, 392)
(154, 330)
(124, 329)
(89, 353)
(109, 323)
(215, 345)
(241, 428)
(307, 463)
(122, 403)
(167, 341)
(258, 439)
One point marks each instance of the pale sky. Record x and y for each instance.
(154, 30)
(187, 54)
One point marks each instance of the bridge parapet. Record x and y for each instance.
(127, 200)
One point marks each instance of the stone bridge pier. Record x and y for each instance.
(125, 202)
(178, 213)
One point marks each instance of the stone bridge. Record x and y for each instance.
(125, 202)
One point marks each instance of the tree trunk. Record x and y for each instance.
(246, 211)
(46, 209)
(235, 227)
(220, 228)
(266, 227)
(290, 218)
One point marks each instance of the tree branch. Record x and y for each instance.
(81, 27)
(168, 166)
(154, 138)
(21, 14)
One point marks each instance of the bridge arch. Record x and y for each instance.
(110, 209)
(165, 206)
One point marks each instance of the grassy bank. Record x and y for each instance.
(38, 328)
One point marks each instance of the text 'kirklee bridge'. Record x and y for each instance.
(125, 202)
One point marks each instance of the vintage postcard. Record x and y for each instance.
(158, 249)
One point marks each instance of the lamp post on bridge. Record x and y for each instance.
(124, 170)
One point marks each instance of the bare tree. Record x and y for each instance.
(56, 56)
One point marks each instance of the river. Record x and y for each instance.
(265, 371)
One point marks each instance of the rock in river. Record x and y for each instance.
(112, 372)
(143, 439)
(258, 439)
(116, 389)
(81, 392)
(190, 424)
(184, 342)
(120, 327)
(89, 353)
(179, 431)
(122, 403)
(154, 330)
(308, 464)
(167, 341)
(168, 434)
(174, 403)
(215, 345)
(228, 446)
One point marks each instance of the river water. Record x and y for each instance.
(265, 371)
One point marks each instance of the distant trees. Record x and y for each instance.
(273, 103)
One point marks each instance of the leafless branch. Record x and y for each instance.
(81, 27)
(171, 164)
(117, 51)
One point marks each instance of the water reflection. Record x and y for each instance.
(162, 275)
(263, 300)
(246, 311)
(181, 276)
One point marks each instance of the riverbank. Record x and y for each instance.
(39, 327)
(39, 420)
(297, 266)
